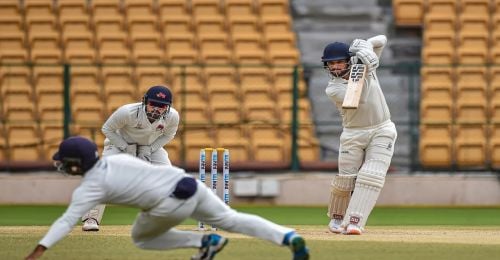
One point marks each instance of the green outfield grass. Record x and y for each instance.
(392, 233)
(13, 215)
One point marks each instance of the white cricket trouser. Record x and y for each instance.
(154, 229)
(366, 152)
(360, 145)
(159, 156)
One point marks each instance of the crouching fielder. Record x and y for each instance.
(165, 194)
(141, 130)
(368, 136)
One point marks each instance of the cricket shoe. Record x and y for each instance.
(334, 226)
(298, 246)
(210, 245)
(353, 229)
(90, 224)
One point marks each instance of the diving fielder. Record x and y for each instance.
(141, 130)
(368, 136)
(165, 194)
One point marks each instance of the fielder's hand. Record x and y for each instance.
(144, 152)
(360, 44)
(37, 253)
(369, 58)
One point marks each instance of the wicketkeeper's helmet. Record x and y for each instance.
(76, 155)
(158, 96)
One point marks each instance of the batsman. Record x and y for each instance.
(368, 136)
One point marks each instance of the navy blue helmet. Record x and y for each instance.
(158, 97)
(336, 51)
(76, 155)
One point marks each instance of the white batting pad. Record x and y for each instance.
(369, 182)
(95, 213)
(342, 186)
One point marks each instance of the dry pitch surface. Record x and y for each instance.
(434, 234)
(465, 241)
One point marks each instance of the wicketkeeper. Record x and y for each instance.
(141, 130)
(166, 196)
(368, 136)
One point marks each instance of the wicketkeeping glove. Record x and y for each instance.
(369, 58)
(144, 153)
(360, 44)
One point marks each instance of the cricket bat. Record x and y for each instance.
(354, 86)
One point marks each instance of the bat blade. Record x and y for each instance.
(354, 86)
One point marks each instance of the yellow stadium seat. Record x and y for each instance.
(79, 49)
(267, 142)
(303, 111)
(436, 111)
(221, 84)
(408, 12)
(471, 97)
(256, 80)
(239, 8)
(24, 142)
(15, 79)
(139, 9)
(210, 25)
(105, 9)
(177, 25)
(148, 76)
(235, 139)
(226, 113)
(114, 49)
(206, 8)
(196, 138)
(308, 145)
(437, 83)
(436, 145)
(85, 79)
(39, 10)
(243, 25)
(92, 132)
(147, 50)
(118, 79)
(470, 146)
(173, 8)
(214, 49)
(273, 8)
(260, 112)
(248, 49)
(72, 9)
(474, 7)
(51, 135)
(180, 49)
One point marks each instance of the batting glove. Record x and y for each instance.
(360, 44)
(369, 58)
(144, 153)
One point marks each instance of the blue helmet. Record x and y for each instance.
(336, 51)
(76, 155)
(159, 97)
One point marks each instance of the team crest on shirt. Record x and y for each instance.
(160, 127)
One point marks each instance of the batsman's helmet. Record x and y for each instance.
(158, 96)
(336, 51)
(76, 155)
